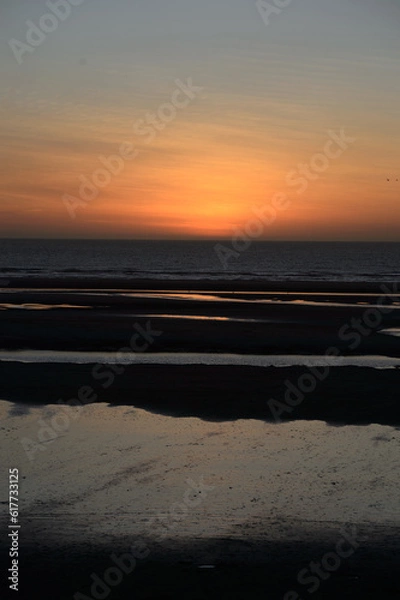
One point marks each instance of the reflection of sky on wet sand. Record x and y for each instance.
(197, 358)
(179, 300)
(38, 306)
(305, 298)
(202, 318)
(114, 468)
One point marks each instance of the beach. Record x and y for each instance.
(221, 441)
(255, 501)
(200, 300)
(187, 316)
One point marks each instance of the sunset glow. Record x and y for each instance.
(262, 104)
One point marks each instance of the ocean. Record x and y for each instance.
(180, 260)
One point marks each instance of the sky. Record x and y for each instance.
(175, 118)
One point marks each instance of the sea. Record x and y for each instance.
(213, 260)
(177, 261)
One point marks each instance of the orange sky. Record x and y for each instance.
(263, 112)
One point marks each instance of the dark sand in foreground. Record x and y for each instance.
(256, 501)
(282, 492)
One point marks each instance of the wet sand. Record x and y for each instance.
(256, 501)
(190, 320)
(108, 467)
(348, 395)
